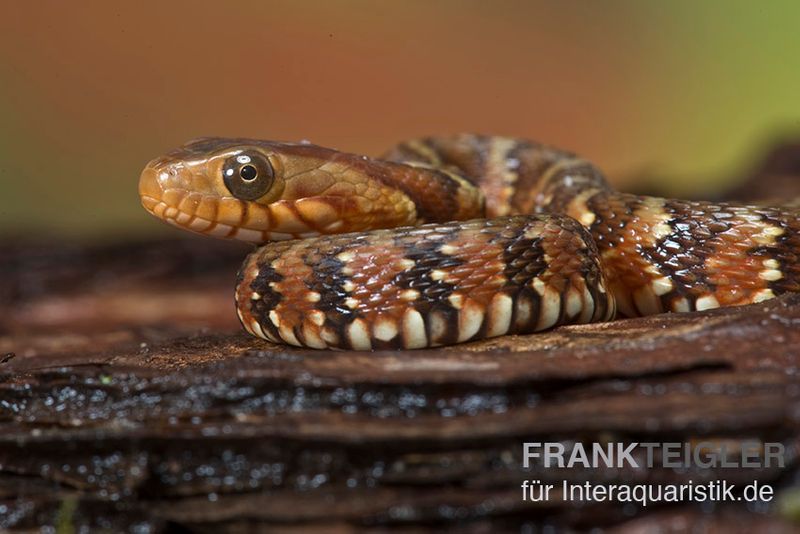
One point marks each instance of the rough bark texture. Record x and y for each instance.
(130, 399)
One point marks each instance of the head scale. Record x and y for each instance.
(265, 191)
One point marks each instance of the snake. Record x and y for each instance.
(457, 238)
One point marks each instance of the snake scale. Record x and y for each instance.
(458, 238)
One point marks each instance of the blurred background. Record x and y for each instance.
(91, 90)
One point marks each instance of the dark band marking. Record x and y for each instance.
(269, 298)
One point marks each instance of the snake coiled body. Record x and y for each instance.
(452, 239)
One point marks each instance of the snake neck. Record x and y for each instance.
(515, 176)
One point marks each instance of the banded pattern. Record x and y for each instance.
(549, 242)
(424, 286)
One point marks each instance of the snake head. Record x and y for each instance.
(260, 191)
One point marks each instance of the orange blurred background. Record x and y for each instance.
(90, 91)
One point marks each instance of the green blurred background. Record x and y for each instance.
(91, 90)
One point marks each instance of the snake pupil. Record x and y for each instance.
(248, 173)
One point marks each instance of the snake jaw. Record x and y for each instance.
(178, 194)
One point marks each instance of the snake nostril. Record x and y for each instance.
(162, 175)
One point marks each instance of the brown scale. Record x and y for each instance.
(567, 268)
(446, 283)
(622, 229)
(468, 156)
(480, 273)
(433, 191)
(482, 160)
(272, 293)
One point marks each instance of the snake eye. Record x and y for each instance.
(248, 175)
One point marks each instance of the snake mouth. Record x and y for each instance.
(164, 195)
